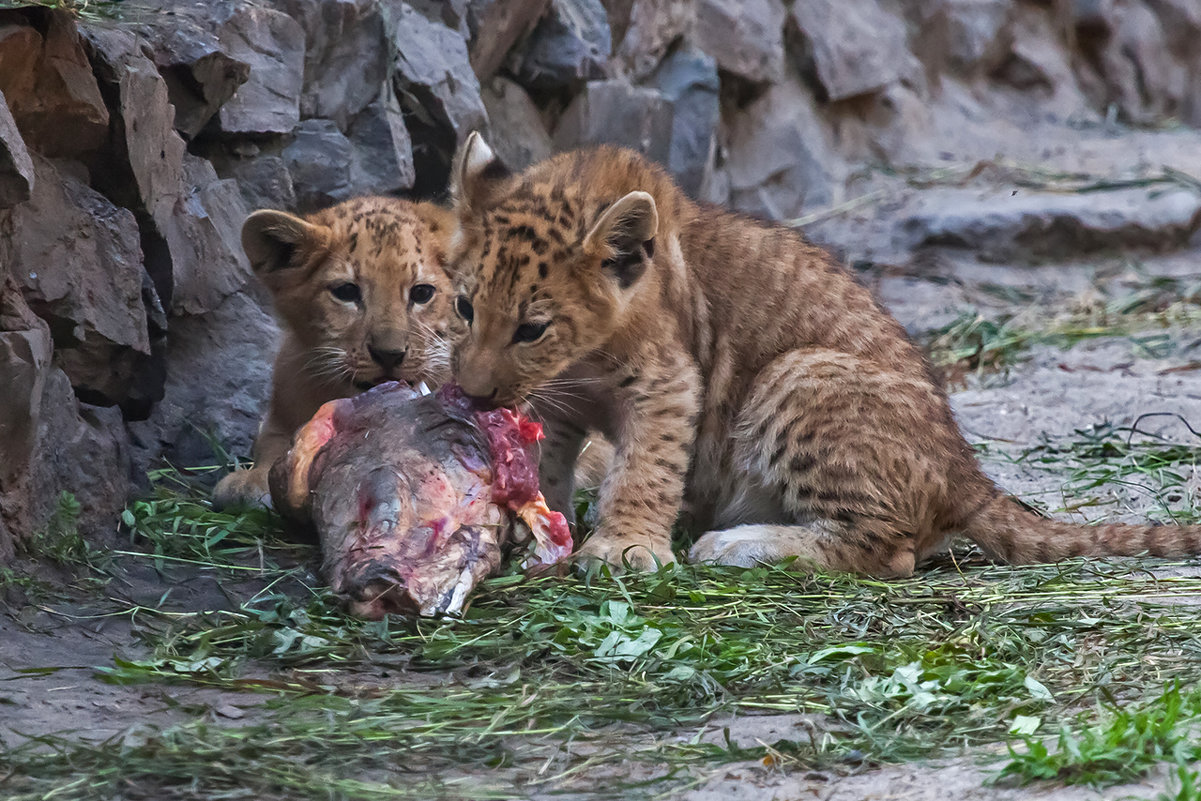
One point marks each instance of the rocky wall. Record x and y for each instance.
(132, 145)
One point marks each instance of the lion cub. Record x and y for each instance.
(362, 296)
(736, 368)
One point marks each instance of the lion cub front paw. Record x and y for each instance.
(246, 489)
(621, 553)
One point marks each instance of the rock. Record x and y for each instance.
(264, 182)
(16, 168)
(319, 160)
(688, 80)
(232, 347)
(438, 92)
(273, 44)
(1001, 225)
(190, 240)
(200, 72)
(453, 14)
(745, 36)
(78, 261)
(615, 113)
(650, 28)
(346, 56)
(856, 46)
(49, 442)
(518, 135)
(779, 158)
(497, 25)
(978, 33)
(571, 44)
(50, 89)
(382, 157)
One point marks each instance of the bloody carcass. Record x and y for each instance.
(416, 497)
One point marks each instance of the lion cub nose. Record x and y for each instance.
(387, 359)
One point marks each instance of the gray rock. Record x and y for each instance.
(273, 44)
(745, 36)
(779, 158)
(346, 56)
(979, 33)
(454, 14)
(382, 157)
(497, 25)
(264, 182)
(25, 352)
(571, 44)
(232, 348)
(647, 30)
(856, 45)
(433, 73)
(16, 168)
(50, 89)
(688, 80)
(191, 239)
(615, 113)
(519, 136)
(1000, 224)
(78, 261)
(319, 160)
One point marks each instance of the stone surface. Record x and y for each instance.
(346, 57)
(856, 47)
(319, 161)
(780, 159)
(649, 30)
(688, 80)
(273, 44)
(78, 262)
(232, 348)
(265, 182)
(382, 151)
(48, 83)
(16, 168)
(1022, 225)
(745, 36)
(497, 25)
(978, 33)
(571, 44)
(615, 113)
(519, 136)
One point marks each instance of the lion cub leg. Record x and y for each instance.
(862, 460)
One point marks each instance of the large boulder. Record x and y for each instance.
(519, 134)
(319, 160)
(273, 44)
(78, 261)
(856, 46)
(688, 80)
(497, 25)
(571, 44)
(16, 168)
(190, 219)
(615, 113)
(745, 36)
(381, 149)
(49, 86)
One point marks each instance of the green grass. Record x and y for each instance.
(546, 685)
(86, 9)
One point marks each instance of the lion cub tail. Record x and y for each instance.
(1009, 531)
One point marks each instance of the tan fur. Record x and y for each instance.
(384, 247)
(739, 371)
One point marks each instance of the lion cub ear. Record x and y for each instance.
(624, 237)
(477, 176)
(272, 238)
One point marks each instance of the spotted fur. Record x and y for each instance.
(362, 295)
(741, 373)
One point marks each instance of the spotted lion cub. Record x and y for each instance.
(736, 368)
(362, 295)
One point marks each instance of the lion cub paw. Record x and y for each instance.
(247, 489)
(622, 553)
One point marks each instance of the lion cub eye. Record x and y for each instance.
(421, 293)
(530, 332)
(347, 292)
(464, 308)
